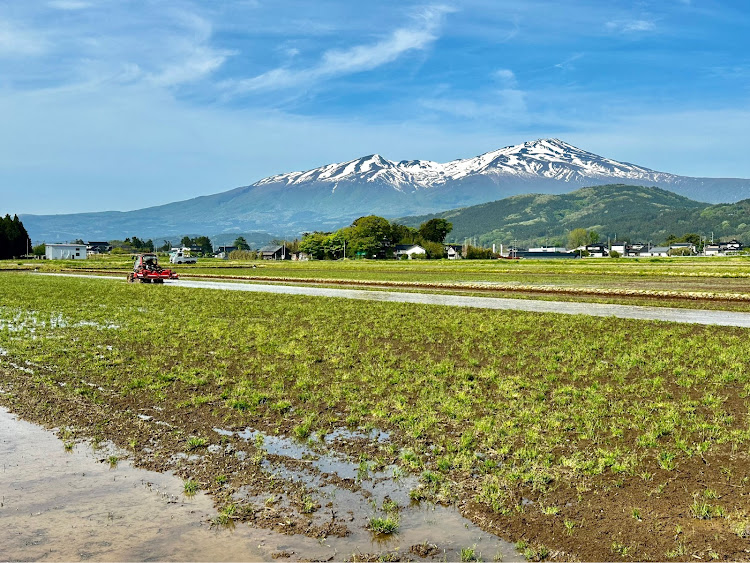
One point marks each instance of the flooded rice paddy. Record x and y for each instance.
(670, 314)
(70, 503)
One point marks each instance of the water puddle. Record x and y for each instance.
(59, 505)
(28, 321)
(354, 493)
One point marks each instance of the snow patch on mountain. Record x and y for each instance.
(544, 158)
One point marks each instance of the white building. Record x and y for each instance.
(409, 250)
(65, 251)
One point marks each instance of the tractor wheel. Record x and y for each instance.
(159, 281)
(131, 278)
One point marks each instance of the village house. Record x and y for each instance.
(97, 247)
(597, 250)
(408, 250)
(723, 248)
(682, 249)
(273, 252)
(453, 251)
(655, 251)
(224, 251)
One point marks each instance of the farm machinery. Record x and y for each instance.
(147, 270)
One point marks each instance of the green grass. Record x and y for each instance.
(191, 487)
(383, 525)
(722, 283)
(515, 404)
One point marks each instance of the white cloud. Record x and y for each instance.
(506, 77)
(193, 65)
(630, 26)
(360, 58)
(17, 41)
(506, 105)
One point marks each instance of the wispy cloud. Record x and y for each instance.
(190, 55)
(567, 64)
(15, 40)
(507, 105)
(630, 26)
(359, 58)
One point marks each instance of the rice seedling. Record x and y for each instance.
(503, 404)
(701, 510)
(621, 549)
(308, 504)
(191, 487)
(383, 525)
(469, 554)
(195, 442)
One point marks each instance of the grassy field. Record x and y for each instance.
(578, 437)
(718, 283)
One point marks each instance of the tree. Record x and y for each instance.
(39, 250)
(186, 241)
(477, 253)
(369, 236)
(403, 235)
(241, 244)
(435, 230)
(435, 250)
(578, 237)
(205, 244)
(14, 240)
(314, 244)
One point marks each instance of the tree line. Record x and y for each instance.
(375, 237)
(14, 240)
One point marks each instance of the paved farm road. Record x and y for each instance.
(693, 316)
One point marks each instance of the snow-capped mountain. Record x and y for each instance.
(331, 196)
(543, 159)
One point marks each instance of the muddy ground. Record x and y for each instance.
(258, 475)
(318, 497)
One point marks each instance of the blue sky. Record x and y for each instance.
(125, 104)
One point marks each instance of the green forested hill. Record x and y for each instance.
(618, 211)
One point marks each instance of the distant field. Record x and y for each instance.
(578, 437)
(719, 283)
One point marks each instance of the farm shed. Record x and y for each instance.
(65, 251)
(273, 252)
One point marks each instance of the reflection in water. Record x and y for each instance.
(57, 505)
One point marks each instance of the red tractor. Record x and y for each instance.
(147, 270)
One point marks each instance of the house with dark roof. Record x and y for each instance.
(408, 250)
(273, 252)
(454, 251)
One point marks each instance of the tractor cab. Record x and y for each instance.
(147, 270)
(146, 261)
